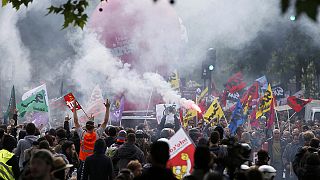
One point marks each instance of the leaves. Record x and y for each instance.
(4, 2)
(308, 7)
(284, 5)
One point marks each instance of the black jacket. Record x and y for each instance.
(126, 153)
(97, 167)
(156, 173)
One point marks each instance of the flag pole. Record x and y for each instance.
(276, 114)
(84, 113)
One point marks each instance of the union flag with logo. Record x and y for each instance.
(182, 150)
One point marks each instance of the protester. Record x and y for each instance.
(60, 169)
(135, 167)
(61, 138)
(202, 163)
(276, 146)
(25, 143)
(89, 136)
(127, 152)
(69, 150)
(159, 157)
(9, 164)
(41, 165)
(98, 166)
(288, 155)
(112, 136)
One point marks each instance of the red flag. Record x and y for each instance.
(69, 101)
(272, 115)
(297, 104)
(182, 150)
(235, 83)
(253, 91)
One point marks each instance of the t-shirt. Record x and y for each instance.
(99, 132)
(276, 151)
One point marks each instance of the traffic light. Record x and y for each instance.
(208, 65)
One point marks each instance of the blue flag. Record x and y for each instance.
(236, 118)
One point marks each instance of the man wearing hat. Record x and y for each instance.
(89, 136)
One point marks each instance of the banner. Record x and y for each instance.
(11, 107)
(190, 114)
(265, 102)
(263, 82)
(214, 111)
(202, 95)
(69, 101)
(235, 83)
(277, 92)
(174, 80)
(182, 151)
(236, 118)
(116, 111)
(95, 106)
(297, 104)
(35, 102)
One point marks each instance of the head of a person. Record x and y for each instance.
(286, 135)
(41, 164)
(220, 130)
(295, 132)
(90, 126)
(314, 143)
(4, 127)
(8, 142)
(61, 134)
(166, 133)
(124, 174)
(30, 129)
(52, 132)
(112, 131)
(22, 134)
(296, 138)
(276, 134)
(202, 158)
(100, 146)
(50, 139)
(131, 138)
(263, 157)
(214, 137)
(254, 173)
(44, 144)
(239, 130)
(159, 153)
(122, 136)
(307, 136)
(135, 167)
(245, 137)
(141, 126)
(68, 148)
(60, 168)
(195, 135)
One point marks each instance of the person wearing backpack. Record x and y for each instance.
(88, 136)
(25, 143)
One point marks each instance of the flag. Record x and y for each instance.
(270, 121)
(252, 92)
(265, 102)
(69, 101)
(214, 111)
(175, 80)
(297, 104)
(202, 95)
(190, 114)
(35, 102)
(116, 111)
(235, 83)
(236, 118)
(95, 105)
(263, 82)
(11, 107)
(277, 92)
(182, 150)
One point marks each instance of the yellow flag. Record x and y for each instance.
(175, 80)
(246, 105)
(214, 111)
(265, 103)
(190, 114)
(202, 95)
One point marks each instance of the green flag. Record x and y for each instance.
(36, 102)
(11, 107)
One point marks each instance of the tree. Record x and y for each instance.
(74, 10)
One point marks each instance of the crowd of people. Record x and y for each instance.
(106, 152)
